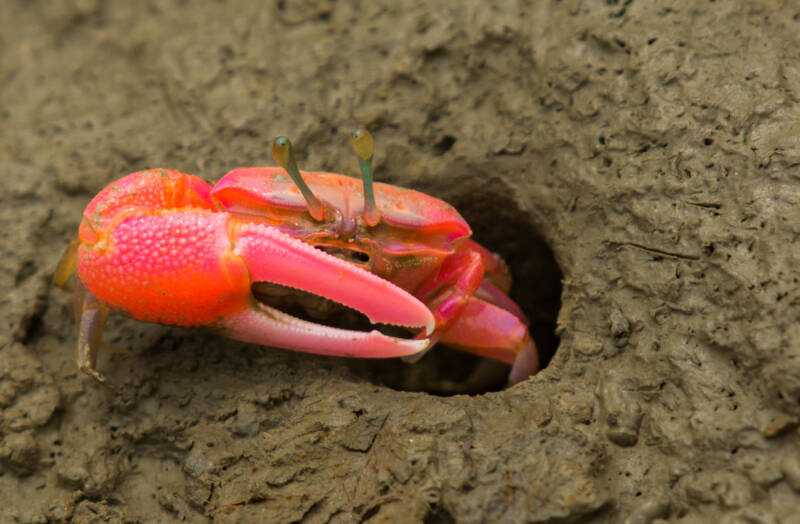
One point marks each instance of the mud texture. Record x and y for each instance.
(653, 149)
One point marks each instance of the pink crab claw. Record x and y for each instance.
(272, 256)
(153, 246)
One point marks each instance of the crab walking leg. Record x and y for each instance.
(269, 327)
(496, 270)
(527, 362)
(447, 293)
(90, 317)
(67, 264)
(491, 331)
(492, 294)
(272, 256)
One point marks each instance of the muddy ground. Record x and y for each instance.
(638, 166)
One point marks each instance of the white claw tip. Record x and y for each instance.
(422, 346)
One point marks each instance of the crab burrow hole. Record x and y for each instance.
(489, 205)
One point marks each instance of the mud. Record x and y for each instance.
(651, 152)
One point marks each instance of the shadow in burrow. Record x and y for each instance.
(487, 203)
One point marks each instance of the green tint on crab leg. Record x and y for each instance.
(283, 153)
(362, 144)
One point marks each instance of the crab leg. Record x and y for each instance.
(474, 314)
(492, 294)
(490, 331)
(496, 271)
(90, 316)
(448, 292)
(66, 265)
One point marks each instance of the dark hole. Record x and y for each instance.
(444, 144)
(24, 272)
(498, 223)
(371, 512)
(350, 255)
(438, 515)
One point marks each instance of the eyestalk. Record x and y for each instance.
(362, 144)
(283, 153)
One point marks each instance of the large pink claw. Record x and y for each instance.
(272, 256)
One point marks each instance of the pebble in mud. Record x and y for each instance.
(247, 421)
(791, 472)
(620, 327)
(19, 452)
(622, 413)
(649, 511)
(34, 408)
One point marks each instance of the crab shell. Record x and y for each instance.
(416, 231)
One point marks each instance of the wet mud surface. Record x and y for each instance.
(638, 166)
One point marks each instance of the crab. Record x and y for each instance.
(166, 247)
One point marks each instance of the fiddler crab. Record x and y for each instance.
(166, 247)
